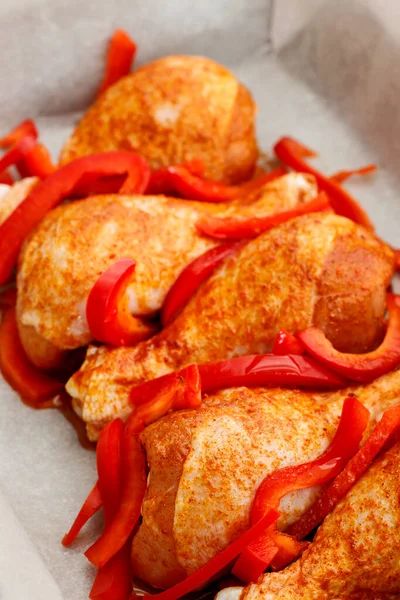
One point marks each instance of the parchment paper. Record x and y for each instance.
(325, 72)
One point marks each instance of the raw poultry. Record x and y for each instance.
(173, 110)
(205, 467)
(317, 269)
(75, 243)
(356, 552)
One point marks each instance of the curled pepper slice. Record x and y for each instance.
(200, 577)
(59, 185)
(191, 278)
(341, 176)
(120, 57)
(90, 507)
(195, 188)
(359, 367)
(26, 128)
(34, 386)
(287, 343)
(161, 181)
(352, 424)
(234, 229)
(107, 308)
(290, 152)
(383, 432)
(267, 369)
(134, 483)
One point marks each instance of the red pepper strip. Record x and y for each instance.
(37, 162)
(388, 426)
(341, 176)
(234, 229)
(120, 57)
(161, 181)
(23, 377)
(114, 581)
(359, 367)
(17, 152)
(287, 343)
(196, 188)
(267, 369)
(191, 278)
(107, 308)
(6, 178)
(26, 128)
(352, 424)
(8, 298)
(93, 186)
(109, 469)
(200, 577)
(342, 202)
(90, 507)
(61, 184)
(176, 391)
(255, 558)
(133, 490)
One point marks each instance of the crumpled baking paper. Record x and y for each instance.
(325, 72)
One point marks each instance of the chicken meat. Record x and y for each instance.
(12, 196)
(318, 269)
(205, 466)
(356, 552)
(75, 243)
(173, 110)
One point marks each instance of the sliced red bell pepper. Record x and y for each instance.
(341, 176)
(107, 308)
(234, 229)
(178, 390)
(384, 430)
(255, 558)
(287, 343)
(118, 531)
(195, 188)
(6, 178)
(37, 162)
(352, 424)
(161, 181)
(61, 184)
(359, 367)
(114, 580)
(200, 577)
(32, 385)
(267, 369)
(26, 128)
(397, 257)
(90, 507)
(191, 278)
(17, 152)
(120, 57)
(8, 298)
(109, 467)
(289, 152)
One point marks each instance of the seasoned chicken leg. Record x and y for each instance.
(356, 552)
(205, 466)
(316, 269)
(75, 243)
(173, 110)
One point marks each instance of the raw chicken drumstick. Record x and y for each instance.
(356, 552)
(205, 466)
(317, 269)
(173, 110)
(75, 243)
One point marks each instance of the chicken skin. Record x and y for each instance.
(317, 269)
(205, 466)
(356, 552)
(173, 110)
(75, 243)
